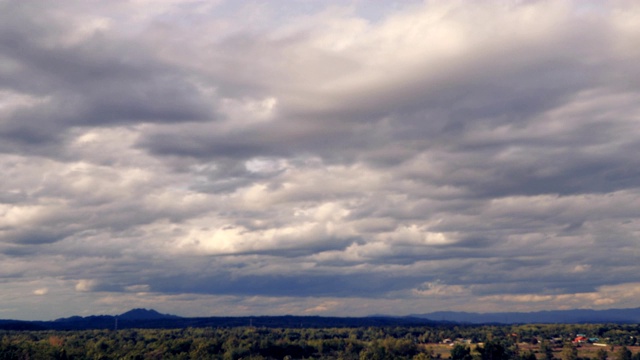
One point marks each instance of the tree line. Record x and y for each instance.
(366, 343)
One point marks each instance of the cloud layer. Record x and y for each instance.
(212, 157)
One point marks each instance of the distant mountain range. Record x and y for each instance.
(547, 317)
(144, 318)
(151, 319)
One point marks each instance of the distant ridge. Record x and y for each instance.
(151, 319)
(539, 317)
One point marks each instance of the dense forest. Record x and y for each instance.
(518, 342)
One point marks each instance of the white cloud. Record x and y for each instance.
(41, 291)
(622, 295)
(86, 285)
(439, 289)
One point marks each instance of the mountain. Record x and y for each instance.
(140, 318)
(144, 314)
(548, 317)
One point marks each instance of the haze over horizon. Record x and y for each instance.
(313, 157)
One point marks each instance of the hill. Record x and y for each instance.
(144, 314)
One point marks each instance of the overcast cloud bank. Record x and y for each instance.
(213, 157)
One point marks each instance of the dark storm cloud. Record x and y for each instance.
(512, 90)
(99, 80)
(365, 285)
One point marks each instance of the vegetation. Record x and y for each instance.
(518, 342)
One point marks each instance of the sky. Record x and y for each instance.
(307, 157)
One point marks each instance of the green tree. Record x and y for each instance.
(527, 355)
(374, 351)
(569, 352)
(461, 352)
(493, 350)
(546, 350)
(601, 354)
(622, 353)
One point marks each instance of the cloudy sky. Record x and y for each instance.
(207, 158)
